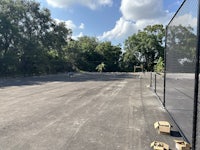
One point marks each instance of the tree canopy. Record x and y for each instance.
(145, 47)
(87, 53)
(27, 35)
(31, 43)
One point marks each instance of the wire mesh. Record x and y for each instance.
(181, 42)
(198, 126)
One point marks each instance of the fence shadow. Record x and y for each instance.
(175, 134)
(65, 77)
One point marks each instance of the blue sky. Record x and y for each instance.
(112, 20)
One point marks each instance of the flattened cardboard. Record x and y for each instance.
(182, 145)
(156, 145)
(162, 126)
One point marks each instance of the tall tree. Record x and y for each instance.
(88, 57)
(110, 56)
(146, 46)
(27, 34)
(9, 37)
(89, 54)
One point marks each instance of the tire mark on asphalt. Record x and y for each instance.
(103, 105)
(93, 103)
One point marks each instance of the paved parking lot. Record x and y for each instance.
(87, 111)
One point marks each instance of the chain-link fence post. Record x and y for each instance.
(196, 88)
(165, 60)
(151, 79)
(155, 83)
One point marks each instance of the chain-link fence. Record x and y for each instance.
(180, 69)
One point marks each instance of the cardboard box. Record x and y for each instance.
(162, 126)
(156, 145)
(182, 145)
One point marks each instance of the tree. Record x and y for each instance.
(159, 67)
(56, 40)
(9, 38)
(88, 54)
(146, 46)
(128, 61)
(27, 34)
(87, 59)
(101, 67)
(110, 55)
(73, 54)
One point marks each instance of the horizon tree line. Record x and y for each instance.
(33, 43)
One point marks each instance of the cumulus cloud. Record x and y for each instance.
(185, 20)
(82, 26)
(75, 37)
(122, 29)
(142, 9)
(92, 4)
(70, 24)
(136, 15)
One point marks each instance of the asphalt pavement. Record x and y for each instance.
(81, 111)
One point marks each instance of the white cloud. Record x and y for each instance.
(137, 14)
(70, 24)
(105, 2)
(122, 29)
(142, 9)
(75, 37)
(82, 26)
(185, 20)
(60, 3)
(92, 4)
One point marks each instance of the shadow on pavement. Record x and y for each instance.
(175, 134)
(65, 77)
